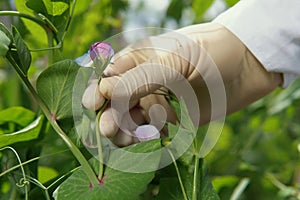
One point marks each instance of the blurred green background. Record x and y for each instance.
(258, 153)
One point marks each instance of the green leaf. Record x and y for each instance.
(83, 118)
(5, 40)
(56, 12)
(55, 8)
(37, 37)
(169, 189)
(6, 31)
(18, 116)
(28, 133)
(182, 113)
(205, 189)
(55, 86)
(115, 184)
(22, 57)
(37, 6)
(4, 44)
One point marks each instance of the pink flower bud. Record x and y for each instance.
(101, 49)
(146, 132)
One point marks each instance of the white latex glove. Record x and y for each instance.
(192, 53)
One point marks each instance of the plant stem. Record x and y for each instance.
(19, 165)
(50, 45)
(198, 161)
(23, 15)
(99, 143)
(185, 197)
(47, 26)
(76, 152)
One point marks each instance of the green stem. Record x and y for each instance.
(198, 161)
(46, 25)
(23, 15)
(50, 45)
(76, 152)
(185, 197)
(99, 143)
(19, 165)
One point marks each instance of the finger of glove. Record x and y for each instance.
(108, 124)
(92, 99)
(130, 122)
(157, 111)
(123, 139)
(129, 57)
(111, 121)
(143, 79)
(141, 51)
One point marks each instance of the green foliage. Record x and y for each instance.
(18, 125)
(22, 55)
(28, 133)
(114, 184)
(55, 86)
(4, 43)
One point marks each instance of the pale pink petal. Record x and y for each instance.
(146, 132)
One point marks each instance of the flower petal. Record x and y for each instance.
(146, 132)
(101, 49)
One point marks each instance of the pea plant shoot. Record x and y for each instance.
(113, 175)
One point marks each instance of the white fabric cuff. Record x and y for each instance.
(271, 31)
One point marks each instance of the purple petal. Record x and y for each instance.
(146, 132)
(102, 49)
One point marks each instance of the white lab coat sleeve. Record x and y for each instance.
(271, 31)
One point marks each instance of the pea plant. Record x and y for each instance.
(113, 175)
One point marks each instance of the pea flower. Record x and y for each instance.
(146, 132)
(101, 53)
(98, 57)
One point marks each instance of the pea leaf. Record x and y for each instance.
(57, 12)
(22, 55)
(55, 8)
(115, 184)
(17, 115)
(4, 43)
(169, 189)
(36, 38)
(5, 31)
(55, 86)
(28, 133)
(5, 40)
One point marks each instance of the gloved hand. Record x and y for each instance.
(200, 54)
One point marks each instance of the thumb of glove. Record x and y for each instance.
(141, 80)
